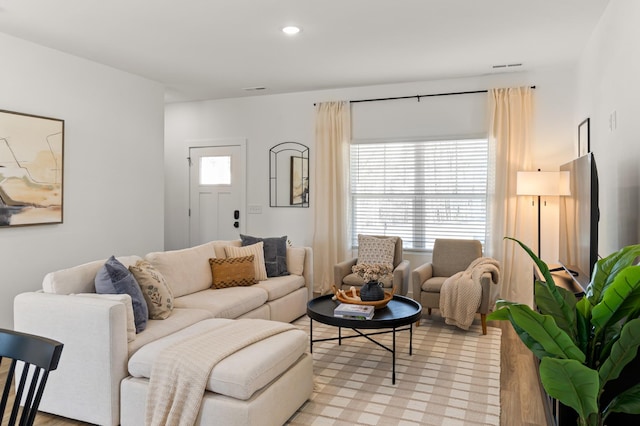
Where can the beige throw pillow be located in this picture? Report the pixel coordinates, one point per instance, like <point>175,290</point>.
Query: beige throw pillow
<point>295,260</point>
<point>232,272</point>
<point>258,257</point>
<point>155,289</point>
<point>376,249</point>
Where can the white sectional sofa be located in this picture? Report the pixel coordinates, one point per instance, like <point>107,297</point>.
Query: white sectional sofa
<point>103,374</point>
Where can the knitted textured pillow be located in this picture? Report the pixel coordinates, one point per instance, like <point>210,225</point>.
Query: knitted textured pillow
<point>376,249</point>
<point>232,271</point>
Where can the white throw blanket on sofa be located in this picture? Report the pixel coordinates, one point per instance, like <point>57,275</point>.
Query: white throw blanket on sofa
<point>461,294</point>
<point>180,373</point>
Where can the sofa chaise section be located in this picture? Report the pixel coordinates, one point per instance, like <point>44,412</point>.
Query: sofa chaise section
<point>87,385</point>
<point>239,385</point>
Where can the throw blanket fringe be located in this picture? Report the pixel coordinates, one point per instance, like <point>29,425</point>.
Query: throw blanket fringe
<point>180,373</point>
<point>461,294</point>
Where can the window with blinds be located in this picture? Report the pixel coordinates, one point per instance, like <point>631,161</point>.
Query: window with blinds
<point>419,190</point>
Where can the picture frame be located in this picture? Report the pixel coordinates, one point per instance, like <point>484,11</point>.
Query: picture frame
<point>285,173</point>
<point>299,181</point>
<point>31,169</point>
<point>584,138</point>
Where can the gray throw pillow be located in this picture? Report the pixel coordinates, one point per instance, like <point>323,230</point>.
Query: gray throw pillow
<point>115,278</point>
<point>275,253</point>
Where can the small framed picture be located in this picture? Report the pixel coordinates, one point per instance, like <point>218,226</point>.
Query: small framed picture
<point>299,181</point>
<point>584,138</point>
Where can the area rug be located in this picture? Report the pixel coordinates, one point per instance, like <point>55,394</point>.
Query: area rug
<point>452,378</point>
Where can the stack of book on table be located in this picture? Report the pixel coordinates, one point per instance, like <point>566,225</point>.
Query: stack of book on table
<point>353,311</point>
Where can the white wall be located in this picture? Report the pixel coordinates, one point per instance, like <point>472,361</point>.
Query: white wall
<point>263,122</point>
<point>267,120</point>
<point>609,85</point>
<point>113,164</point>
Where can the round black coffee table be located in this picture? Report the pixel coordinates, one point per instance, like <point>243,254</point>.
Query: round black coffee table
<point>399,315</point>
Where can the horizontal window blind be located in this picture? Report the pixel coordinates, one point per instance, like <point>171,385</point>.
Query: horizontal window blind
<point>419,190</point>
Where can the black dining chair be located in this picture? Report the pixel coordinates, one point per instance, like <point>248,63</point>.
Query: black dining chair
<point>39,356</point>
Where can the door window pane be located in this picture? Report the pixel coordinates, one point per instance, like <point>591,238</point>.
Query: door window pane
<point>215,170</point>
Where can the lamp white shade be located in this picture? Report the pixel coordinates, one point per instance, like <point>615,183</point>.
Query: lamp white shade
<point>543,183</point>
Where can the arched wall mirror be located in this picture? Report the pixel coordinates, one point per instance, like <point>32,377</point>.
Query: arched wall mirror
<point>289,175</point>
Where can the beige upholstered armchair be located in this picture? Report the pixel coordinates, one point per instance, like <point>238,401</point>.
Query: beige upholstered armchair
<point>375,249</point>
<point>449,257</point>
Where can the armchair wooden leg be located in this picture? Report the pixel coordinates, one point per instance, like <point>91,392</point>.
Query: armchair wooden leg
<point>483,319</point>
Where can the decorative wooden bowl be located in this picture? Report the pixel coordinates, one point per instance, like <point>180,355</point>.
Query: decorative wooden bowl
<point>378,304</point>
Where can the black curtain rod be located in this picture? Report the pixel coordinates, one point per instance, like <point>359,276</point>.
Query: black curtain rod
<point>417,96</point>
<point>420,96</point>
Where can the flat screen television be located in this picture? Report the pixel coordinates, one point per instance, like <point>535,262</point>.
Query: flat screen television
<point>579,215</point>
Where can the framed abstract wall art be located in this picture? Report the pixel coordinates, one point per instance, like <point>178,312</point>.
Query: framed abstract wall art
<point>31,169</point>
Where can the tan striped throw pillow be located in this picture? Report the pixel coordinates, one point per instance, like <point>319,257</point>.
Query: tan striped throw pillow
<point>232,272</point>
<point>257,251</point>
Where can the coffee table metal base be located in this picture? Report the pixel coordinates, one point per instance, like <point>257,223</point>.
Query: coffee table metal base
<point>367,336</point>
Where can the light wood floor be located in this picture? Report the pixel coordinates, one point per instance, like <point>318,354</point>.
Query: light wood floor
<point>520,396</point>
<point>521,401</point>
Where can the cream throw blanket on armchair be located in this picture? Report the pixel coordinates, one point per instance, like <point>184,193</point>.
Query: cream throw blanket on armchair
<point>461,293</point>
<point>180,373</point>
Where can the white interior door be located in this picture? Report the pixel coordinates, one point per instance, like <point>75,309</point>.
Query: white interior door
<point>216,193</point>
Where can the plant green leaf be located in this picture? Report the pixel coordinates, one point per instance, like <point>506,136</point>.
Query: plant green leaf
<point>593,420</point>
<point>604,345</point>
<point>622,352</point>
<point>623,286</point>
<point>534,346</point>
<point>544,269</point>
<point>584,307</point>
<point>571,383</point>
<point>501,303</point>
<point>548,305</point>
<point>501,314</point>
<point>567,312</point>
<point>583,331</point>
<point>606,270</point>
<point>629,307</point>
<point>544,330</point>
<point>627,402</point>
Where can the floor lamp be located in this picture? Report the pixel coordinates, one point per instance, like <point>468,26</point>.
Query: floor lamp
<point>542,184</point>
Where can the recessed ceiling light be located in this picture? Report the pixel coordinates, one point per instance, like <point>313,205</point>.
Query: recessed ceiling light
<point>291,30</point>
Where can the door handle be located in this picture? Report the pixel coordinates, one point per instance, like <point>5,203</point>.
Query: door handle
<point>236,224</point>
<point>236,214</point>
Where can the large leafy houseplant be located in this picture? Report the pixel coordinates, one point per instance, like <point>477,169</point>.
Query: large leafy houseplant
<point>584,345</point>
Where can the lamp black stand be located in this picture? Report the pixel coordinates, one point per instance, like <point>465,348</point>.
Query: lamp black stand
<point>539,228</point>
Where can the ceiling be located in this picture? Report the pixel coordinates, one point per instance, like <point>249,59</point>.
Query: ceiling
<point>211,49</point>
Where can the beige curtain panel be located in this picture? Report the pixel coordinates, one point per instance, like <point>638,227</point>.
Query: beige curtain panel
<point>331,190</point>
<point>510,127</point>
